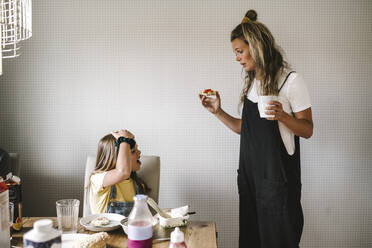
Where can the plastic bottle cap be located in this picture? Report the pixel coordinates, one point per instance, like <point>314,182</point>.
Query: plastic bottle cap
<point>43,225</point>
<point>177,236</point>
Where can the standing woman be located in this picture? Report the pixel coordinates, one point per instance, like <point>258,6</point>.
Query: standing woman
<point>269,177</point>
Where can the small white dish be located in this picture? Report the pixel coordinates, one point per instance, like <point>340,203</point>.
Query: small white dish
<point>113,218</point>
<point>69,239</point>
<point>172,222</point>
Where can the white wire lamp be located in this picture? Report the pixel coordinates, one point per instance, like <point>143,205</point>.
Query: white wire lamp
<point>15,27</point>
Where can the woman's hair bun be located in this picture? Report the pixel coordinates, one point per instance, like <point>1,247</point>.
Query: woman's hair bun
<point>251,15</point>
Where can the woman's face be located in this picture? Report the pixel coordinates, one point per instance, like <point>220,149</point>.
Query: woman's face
<point>135,156</point>
<point>243,56</point>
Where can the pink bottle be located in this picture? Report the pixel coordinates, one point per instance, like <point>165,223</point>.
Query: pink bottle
<point>140,224</point>
<point>177,239</point>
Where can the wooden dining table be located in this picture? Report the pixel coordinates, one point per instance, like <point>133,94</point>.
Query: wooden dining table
<point>198,234</point>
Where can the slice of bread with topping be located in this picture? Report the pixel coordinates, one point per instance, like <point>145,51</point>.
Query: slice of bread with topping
<point>97,240</point>
<point>207,92</point>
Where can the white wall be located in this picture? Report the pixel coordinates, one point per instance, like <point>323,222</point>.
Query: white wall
<point>96,66</point>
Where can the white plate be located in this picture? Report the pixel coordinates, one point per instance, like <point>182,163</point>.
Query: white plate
<point>69,239</point>
<point>113,218</point>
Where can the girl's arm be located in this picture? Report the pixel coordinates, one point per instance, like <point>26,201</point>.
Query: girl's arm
<point>123,167</point>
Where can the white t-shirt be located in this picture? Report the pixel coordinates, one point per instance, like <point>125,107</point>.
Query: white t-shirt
<point>298,99</point>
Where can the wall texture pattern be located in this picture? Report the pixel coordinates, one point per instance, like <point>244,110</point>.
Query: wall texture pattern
<point>96,66</point>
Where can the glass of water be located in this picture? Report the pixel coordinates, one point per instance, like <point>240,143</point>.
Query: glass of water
<point>67,215</point>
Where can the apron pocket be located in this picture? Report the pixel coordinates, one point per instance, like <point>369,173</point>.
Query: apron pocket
<point>272,197</point>
<point>242,183</point>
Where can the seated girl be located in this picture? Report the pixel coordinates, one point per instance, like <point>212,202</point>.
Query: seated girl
<point>114,182</point>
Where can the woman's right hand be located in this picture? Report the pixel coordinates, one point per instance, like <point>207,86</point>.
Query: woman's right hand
<point>213,105</point>
<point>123,133</point>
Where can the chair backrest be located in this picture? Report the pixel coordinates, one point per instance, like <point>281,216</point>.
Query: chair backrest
<point>149,172</point>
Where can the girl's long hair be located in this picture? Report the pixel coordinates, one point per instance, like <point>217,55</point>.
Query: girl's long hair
<point>107,154</point>
<point>265,53</point>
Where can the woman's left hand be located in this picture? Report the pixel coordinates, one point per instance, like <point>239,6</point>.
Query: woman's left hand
<point>276,109</point>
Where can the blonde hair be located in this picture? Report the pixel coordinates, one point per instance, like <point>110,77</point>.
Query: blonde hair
<point>107,154</point>
<point>265,53</point>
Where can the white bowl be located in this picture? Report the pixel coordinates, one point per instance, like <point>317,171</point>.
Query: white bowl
<point>124,224</point>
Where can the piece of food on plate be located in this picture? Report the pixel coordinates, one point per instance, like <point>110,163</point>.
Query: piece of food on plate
<point>207,92</point>
<point>97,240</point>
<point>173,222</point>
<point>100,221</point>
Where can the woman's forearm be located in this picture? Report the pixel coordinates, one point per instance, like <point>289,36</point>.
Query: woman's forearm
<point>233,123</point>
<point>300,127</point>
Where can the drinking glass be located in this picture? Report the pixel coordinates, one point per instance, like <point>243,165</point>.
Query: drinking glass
<point>11,217</point>
<point>11,213</point>
<point>67,215</point>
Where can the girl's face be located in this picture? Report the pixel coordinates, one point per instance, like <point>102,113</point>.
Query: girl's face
<point>135,156</point>
<point>243,56</point>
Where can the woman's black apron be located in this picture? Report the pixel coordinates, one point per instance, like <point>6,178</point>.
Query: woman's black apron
<point>269,183</point>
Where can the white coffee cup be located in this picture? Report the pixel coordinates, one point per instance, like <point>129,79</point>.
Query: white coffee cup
<point>263,103</point>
